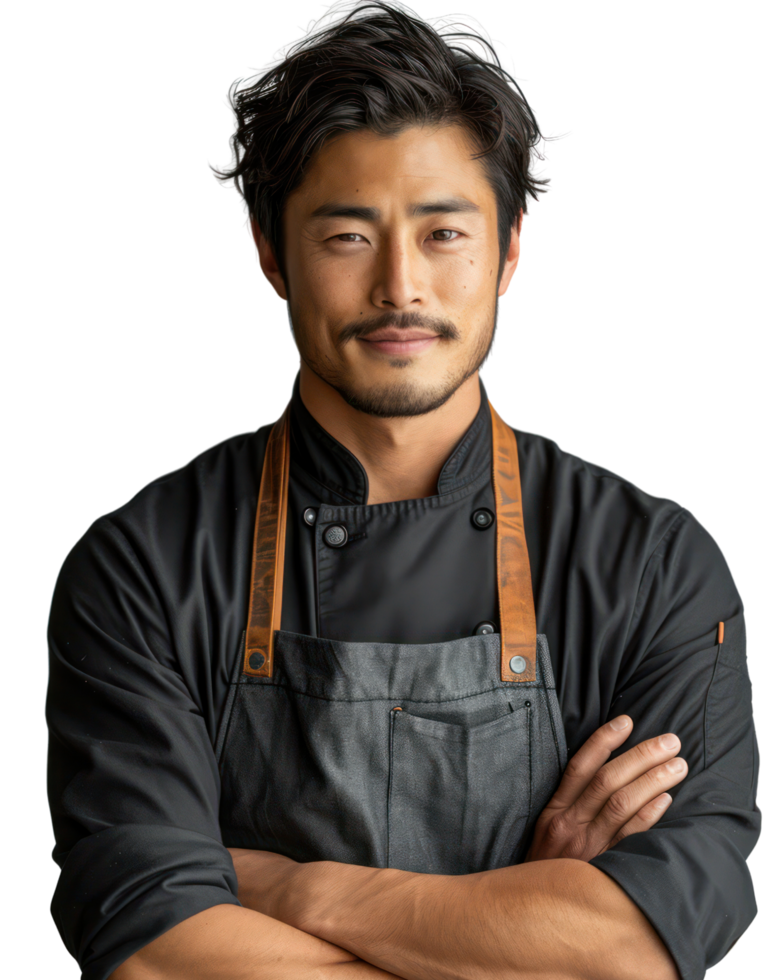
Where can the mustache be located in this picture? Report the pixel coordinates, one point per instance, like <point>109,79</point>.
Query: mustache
<point>406,321</point>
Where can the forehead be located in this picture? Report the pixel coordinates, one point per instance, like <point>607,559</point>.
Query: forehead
<point>420,161</point>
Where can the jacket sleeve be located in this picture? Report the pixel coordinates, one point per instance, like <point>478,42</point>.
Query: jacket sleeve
<point>133,781</point>
<point>688,873</point>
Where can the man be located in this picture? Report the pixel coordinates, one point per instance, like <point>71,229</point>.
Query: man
<point>388,688</point>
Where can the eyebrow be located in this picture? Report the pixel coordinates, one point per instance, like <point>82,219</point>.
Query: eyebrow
<point>452,205</point>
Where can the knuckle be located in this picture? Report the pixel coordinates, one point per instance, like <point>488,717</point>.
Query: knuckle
<point>574,768</point>
<point>618,805</point>
<point>570,774</point>
<point>559,829</point>
<point>648,814</point>
<point>650,750</point>
<point>574,848</point>
<point>601,782</point>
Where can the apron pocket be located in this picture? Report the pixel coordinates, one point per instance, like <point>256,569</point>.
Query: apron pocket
<point>459,797</point>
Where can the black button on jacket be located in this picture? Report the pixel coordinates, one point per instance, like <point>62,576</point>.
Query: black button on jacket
<point>146,628</point>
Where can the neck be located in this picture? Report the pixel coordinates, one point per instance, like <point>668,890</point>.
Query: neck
<point>402,457</point>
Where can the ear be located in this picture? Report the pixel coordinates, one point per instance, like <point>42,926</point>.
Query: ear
<point>513,256</point>
<point>267,261</point>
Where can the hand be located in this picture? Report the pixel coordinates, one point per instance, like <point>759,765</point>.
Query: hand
<point>598,803</point>
<point>265,879</point>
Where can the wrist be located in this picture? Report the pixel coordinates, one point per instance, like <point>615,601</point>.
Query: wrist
<point>311,893</point>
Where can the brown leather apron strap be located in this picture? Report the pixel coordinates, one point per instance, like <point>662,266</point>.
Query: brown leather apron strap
<point>515,591</point>
<point>269,549</point>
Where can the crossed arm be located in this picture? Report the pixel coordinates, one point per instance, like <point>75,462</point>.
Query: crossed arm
<point>559,919</point>
<point>553,917</point>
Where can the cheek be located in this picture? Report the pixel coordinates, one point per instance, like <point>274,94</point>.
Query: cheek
<point>466,285</point>
<point>468,269</point>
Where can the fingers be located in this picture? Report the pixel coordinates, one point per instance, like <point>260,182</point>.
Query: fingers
<point>644,819</point>
<point>620,788</point>
<point>625,785</point>
<point>599,803</point>
<point>632,797</point>
<point>616,802</point>
<point>588,760</point>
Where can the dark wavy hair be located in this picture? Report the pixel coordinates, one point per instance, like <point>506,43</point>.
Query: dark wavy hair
<point>379,68</point>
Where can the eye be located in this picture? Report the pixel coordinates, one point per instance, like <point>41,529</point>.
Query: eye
<point>449,231</point>
<point>349,237</point>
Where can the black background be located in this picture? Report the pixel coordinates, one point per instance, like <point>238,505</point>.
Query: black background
<point>624,336</point>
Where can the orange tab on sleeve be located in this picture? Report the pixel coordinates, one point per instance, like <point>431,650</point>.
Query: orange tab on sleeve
<point>721,633</point>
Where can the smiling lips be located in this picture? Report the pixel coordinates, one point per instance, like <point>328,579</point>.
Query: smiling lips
<point>393,340</point>
<point>395,333</point>
<point>410,345</point>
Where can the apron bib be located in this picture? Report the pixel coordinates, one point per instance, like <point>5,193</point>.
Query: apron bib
<point>434,758</point>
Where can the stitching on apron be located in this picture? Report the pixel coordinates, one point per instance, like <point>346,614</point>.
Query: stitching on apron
<point>253,682</point>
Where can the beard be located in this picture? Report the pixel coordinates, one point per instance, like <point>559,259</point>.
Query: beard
<point>404,398</point>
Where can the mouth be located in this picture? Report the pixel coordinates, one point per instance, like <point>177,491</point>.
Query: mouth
<point>410,346</point>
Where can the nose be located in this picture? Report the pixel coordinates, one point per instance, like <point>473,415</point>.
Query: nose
<point>396,286</point>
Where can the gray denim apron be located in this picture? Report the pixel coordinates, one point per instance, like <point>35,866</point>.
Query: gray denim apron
<point>430,757</point>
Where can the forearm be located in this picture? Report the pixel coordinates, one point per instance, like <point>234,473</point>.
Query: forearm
<point>545,920</point>
<point>227,942</point>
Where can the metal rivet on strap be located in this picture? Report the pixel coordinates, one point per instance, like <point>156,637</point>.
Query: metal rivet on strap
<point>256,660</point>
<point>335,536</point>
<point>484,628</point>
<point>518,665</point>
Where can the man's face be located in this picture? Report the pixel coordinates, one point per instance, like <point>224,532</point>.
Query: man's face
<point>392,267</point>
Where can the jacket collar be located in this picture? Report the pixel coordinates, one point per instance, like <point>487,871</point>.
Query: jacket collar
<point>321,458</point>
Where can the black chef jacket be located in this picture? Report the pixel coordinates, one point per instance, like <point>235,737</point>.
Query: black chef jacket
<point>146,628</point>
